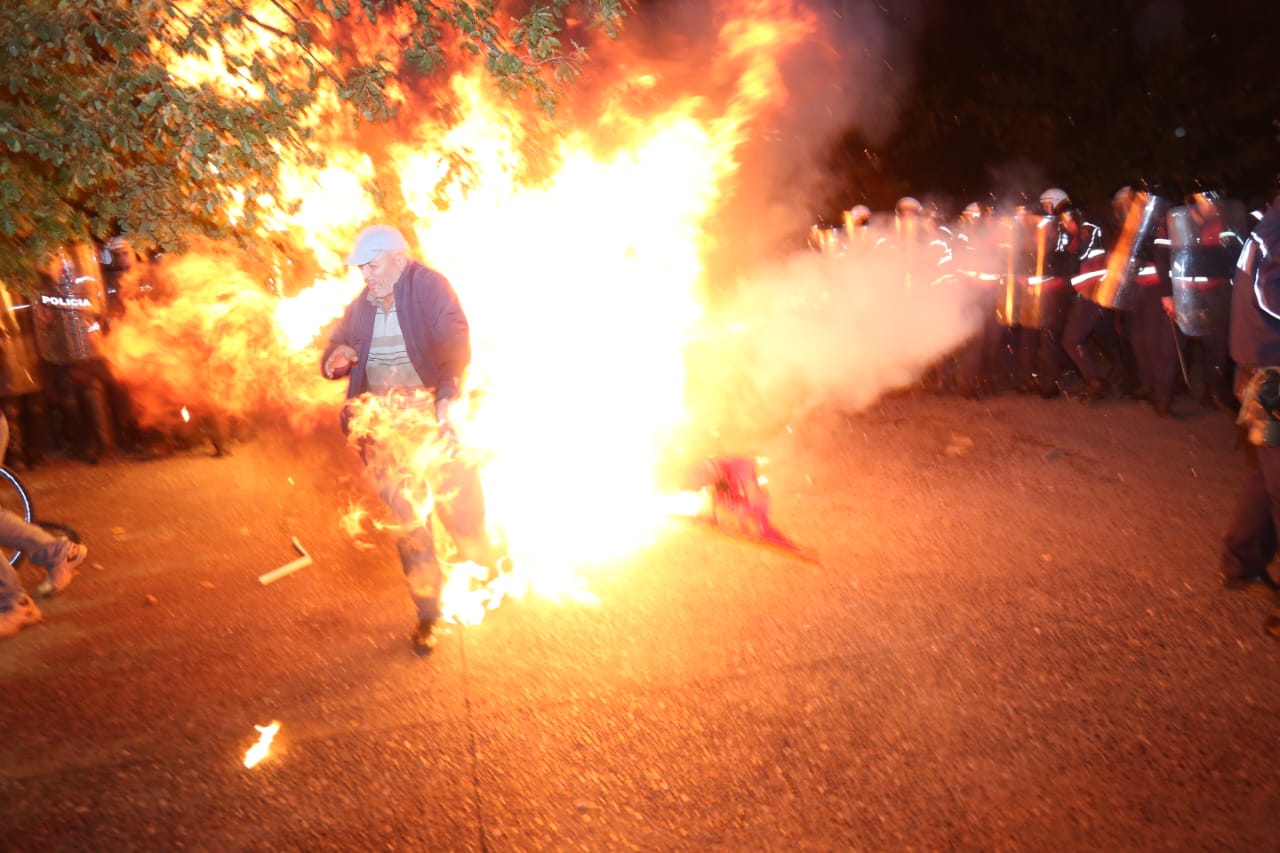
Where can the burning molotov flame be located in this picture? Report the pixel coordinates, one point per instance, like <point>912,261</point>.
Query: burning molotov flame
<point>259,750</point>
<point>216,332</point>
<point>583,289</point>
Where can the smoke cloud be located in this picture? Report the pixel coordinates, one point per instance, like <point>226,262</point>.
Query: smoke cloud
<point>792,330</point>
<point>817,330</point>
<point>836,66</point>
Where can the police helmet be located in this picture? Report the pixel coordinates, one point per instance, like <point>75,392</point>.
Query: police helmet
<point>1122,199</point>
<point>1203,196</point>
<point>1052,198</point>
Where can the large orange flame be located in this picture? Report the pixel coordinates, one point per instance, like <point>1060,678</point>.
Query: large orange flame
<point>582,291</point>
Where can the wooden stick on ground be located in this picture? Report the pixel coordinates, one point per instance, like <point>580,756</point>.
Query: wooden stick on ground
<point>288,568</point>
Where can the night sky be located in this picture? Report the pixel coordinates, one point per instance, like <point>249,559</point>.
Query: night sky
<point>1008,97</point>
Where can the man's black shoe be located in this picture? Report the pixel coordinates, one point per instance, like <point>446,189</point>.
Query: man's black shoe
<point>1094,390</point>
<point>1219,402</point>
<point>425,636</point>
<point>1260,585</point>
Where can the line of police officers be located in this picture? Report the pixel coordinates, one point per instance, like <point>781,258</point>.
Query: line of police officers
<point>1059,292</point>
<point>1124,306</point>
<point>55,384</point>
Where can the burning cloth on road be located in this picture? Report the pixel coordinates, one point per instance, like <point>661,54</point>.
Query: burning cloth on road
<point>739,503</point>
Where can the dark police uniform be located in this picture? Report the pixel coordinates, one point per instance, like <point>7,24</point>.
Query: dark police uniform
<point>1154,341</point>
<point>1250,543</point>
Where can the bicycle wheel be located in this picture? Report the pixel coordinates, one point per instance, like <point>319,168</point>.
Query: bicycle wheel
<point>13,498</point>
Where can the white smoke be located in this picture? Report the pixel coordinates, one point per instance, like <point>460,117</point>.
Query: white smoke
<point>824,330</point>
<point>853,73</point>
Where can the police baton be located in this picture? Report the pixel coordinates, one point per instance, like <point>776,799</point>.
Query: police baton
<point>1177,347</point>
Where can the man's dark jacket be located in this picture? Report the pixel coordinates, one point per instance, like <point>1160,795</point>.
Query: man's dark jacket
<point>435,330</point>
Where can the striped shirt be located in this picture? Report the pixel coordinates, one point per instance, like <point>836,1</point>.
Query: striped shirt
<point>388,365</point>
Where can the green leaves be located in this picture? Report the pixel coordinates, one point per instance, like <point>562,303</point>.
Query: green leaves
<point>107,127</point>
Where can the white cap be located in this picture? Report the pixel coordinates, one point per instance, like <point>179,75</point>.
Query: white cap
<point>371,241</point>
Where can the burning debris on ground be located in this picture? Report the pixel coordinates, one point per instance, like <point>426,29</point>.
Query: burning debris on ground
<point>737,502</point>
<point>262,747</point>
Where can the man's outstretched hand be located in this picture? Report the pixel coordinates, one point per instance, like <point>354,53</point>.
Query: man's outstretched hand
<point>339,360</point>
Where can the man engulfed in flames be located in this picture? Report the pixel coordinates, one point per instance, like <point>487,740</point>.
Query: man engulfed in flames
<point>613,258</point>
<point>403,345</point>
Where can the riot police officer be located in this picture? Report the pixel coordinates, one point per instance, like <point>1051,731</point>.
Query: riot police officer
<point>978,359</point>
<point>70,310</point>
<point>1044,297</point>
<point>1205,243</point>
<point>920,254</point>
<point>857,228</point>
<point>1250,542</point>
<point>1139,266</point>
<point>1086,319</point>
<point>21,382</point>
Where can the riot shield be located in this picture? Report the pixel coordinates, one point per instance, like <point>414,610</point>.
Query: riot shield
<point>827,241</point>
<point>19,359</point>
<point>1118,287</point>
<point>1203,252</point>
<point>1016,243</point>
<point>1044,295</point>
<point>1044,302</point>
<point>69,307</point>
